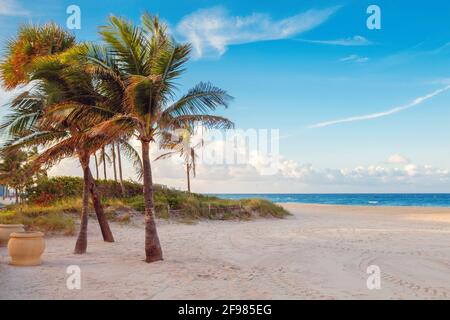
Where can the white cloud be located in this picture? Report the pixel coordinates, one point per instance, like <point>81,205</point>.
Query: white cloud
<point>354,58</point>
<point>12,8</point>
<point>417,51</point>
<point>413,103</point>
<point>7,96</point>
<point>213,30</point>
<point>250,171</point>
<point>397,175</point>
<point>348,42</point>
<point>397,159</point>
<point>293,177</point>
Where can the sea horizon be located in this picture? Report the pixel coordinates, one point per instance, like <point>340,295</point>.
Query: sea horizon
<point>356,199</point>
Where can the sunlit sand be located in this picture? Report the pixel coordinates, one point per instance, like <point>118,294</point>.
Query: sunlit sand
<point>321,252</point>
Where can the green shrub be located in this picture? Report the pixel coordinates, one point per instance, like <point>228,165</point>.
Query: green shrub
<point>47,223</point>
<point>57,187</point>
<point>50,189</point>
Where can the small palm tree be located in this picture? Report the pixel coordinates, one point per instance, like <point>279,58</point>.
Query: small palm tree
<point>13,170</point>
<point>142,65</point>
<point>182,146</point>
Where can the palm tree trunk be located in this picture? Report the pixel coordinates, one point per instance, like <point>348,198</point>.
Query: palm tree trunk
<point>188,178</point>
<point>114,161</point>
<point>119,158</point>
<point>21,197</point>
<point>104,162</point>
<point>98,207</point>
<point>81,244</point>
<point>96,164</point>
<point>153,250</point>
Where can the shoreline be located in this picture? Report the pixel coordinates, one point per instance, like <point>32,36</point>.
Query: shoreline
<point>350,206</point>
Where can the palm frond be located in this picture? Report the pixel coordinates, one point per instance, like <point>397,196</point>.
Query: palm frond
<point>128,43</point>
<point>31,41</point>
<point>166,155</point>
<point>169,65</point>
<point>201,99</point>
<point>113,129</point>
<point>206,121</point>
<point>76,113</point>
<point>54,154</point>
<point>132,155</point>
<point>41,138</point>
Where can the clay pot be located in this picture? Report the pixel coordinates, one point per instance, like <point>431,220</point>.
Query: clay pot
<point>26,248</point>
<point>6,230</point>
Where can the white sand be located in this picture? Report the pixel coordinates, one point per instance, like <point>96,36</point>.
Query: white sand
<point>322,252</point>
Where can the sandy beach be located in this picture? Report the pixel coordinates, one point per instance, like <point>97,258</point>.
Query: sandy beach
<point>321,252</point>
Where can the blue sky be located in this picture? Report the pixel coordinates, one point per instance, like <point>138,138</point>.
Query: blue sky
<point>293,64</point>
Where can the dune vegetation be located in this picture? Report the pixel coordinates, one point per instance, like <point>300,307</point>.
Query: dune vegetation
<point>55,205</point>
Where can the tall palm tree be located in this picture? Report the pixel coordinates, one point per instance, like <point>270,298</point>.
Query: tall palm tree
<point>60,83</point>
<point>103,158</point>
<point>113,154</point>
<point>142,63</point>
<point>123,146</point>
<point>119,163</point>
<point>31,43</point>
<point>96,166</point>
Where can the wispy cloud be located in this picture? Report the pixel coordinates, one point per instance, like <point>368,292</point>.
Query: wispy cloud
<point>418,51</point>
<point>413,103</point>
<point>354,58</point>
<point>348,42</point>
<point>213,30</point>
<point>12,8</point>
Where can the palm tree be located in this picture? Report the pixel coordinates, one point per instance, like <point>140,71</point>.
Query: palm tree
<point>119,163</point>
<point>60,84</point>
<point>182,145</point>
<point>113,154</point>
<point>32,43</point>
<point>142,64</point>
<point>13,170</point>
<point>103,158</point>
<point>96,166</point>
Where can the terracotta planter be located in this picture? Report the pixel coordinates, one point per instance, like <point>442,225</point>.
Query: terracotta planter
<point>26,248</point>
<point>6,230</point>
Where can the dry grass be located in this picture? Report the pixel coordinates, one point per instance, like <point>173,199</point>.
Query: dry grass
<point>60,216</point>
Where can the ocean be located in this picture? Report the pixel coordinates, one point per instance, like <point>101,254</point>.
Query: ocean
<point>356,199</point>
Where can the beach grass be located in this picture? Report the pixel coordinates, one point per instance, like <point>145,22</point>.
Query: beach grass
<point>60,216</point>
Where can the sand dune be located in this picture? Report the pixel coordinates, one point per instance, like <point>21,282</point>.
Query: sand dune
<point>321,252</point>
